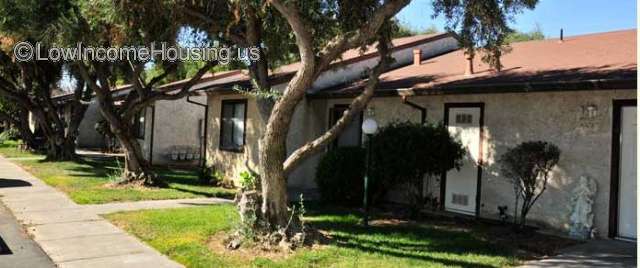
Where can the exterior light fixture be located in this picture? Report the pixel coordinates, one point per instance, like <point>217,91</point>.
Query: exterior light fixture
<point>369,127</point>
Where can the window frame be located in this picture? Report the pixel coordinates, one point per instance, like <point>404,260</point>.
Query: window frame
<point>137,133</point>
<point>234,103</point>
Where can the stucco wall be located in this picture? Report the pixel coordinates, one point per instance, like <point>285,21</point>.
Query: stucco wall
<point>510,119</point>
<point>176,124</point>
<point>88,137</point>
<point>231,163</point>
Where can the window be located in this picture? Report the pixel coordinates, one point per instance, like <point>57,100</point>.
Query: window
<point>352,134</point>
<point>138,124</point>
<point>233,125</point>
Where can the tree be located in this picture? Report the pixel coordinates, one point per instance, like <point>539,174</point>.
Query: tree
<point>17,117</point>
<point>130,23</point>
<point>535,34</point>
<point>322,31</point>
<point>482,25</point>
<point>405,30</point>
<point>528,166</point>
<point>29,84</point>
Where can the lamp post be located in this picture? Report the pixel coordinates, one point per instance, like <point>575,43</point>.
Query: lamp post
<point>369,127</point>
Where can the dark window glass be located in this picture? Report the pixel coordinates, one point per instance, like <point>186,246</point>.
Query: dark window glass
<point>138,125</point>
<point>233,125</point>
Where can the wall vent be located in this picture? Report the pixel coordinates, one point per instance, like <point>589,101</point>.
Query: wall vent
<point>460,199</point>
<point>464,118</point>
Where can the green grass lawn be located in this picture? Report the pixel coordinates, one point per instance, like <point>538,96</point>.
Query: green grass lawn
<point>185,235</point>
<point>9,149</point>
<point>86,180</point>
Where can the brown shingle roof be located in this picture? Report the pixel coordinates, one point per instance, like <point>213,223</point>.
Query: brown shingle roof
<point>285,72</point>
<point>601,56</point>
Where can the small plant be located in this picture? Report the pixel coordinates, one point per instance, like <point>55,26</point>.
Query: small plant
<point>248,180</point>
<point>528,166</point>
<point>115,175</point>
<point>211,176</point>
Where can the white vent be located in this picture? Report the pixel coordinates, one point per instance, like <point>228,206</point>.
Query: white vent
<point>464,118</point>
<point>460,199</point>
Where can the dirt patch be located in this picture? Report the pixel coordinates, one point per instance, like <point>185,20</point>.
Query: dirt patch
<point>536,244</point>
<point>316,240</point>
<point>529,244</point>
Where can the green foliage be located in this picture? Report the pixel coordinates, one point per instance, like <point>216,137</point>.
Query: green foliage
<point>404,152</point>
<point>9,134</point>
<point>211,176</point>
<point>482,25</point>
<point>339,176</point>
<point>248,180</point>
<point>528,166</point>
<point>404,30</point>
<point>535,34</point>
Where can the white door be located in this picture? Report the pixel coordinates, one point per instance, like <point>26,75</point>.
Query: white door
<point>628,178</point>
<point>461,185</point>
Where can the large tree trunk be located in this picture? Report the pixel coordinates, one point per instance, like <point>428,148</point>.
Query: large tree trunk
<point>137,169</point>
<point>26,134</point>
<point>273,181</point>
<point>59,148</point>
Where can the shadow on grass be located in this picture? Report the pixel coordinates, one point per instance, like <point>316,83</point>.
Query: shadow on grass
<point>403,240</point>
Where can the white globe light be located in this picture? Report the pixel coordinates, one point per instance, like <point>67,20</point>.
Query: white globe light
<point>369,126</point>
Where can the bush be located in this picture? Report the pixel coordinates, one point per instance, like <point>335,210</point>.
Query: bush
<point>404,152</point>
<point>9,134</point>
<point>211,176</point>
<point>528,166</point>
<point>340,175</point>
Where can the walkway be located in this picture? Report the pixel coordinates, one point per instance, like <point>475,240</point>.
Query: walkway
<point>595,253</point>
<point>75,235</point>
<point>17,250</point>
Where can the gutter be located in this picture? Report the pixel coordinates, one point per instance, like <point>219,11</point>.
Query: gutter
<point>203,144</point>
<point>549,86</point>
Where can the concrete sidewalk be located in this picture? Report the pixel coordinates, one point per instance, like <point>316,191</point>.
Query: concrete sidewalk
<point>70,234</point>
<point>17,250</point>
<point>594,253</point>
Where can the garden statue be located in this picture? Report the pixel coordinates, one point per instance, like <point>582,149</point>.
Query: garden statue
<point>582,209</point>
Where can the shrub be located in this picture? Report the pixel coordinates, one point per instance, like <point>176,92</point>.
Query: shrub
<point>340,174</point>
<point>404,152</point>
<point>9,134</point>
<point>211,176</point>
<point>528,166</point>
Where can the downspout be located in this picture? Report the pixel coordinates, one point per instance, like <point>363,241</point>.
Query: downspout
<point>153,130</point>
<point>423,111</point>
<point>203,144</point>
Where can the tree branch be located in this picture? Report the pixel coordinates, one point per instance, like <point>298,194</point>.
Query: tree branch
<point>354,39</point>
<point>356,106</point>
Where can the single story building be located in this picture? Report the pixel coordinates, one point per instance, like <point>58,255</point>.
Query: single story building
<point>234,125</point>
<point>578,93</point>
<point>170,132</point>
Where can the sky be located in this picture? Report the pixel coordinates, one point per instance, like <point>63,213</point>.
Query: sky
<point>574,16</point>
